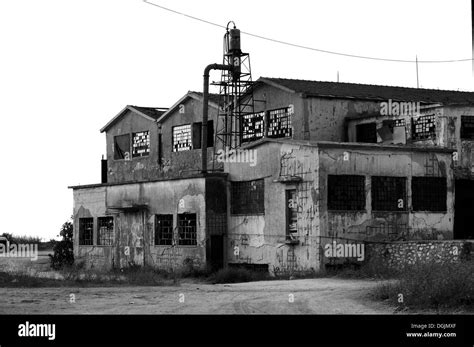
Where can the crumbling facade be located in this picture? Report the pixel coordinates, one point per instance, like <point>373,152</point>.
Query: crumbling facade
<point>319,161</point>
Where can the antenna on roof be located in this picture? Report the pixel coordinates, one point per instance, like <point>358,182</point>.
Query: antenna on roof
<point>417,84</point>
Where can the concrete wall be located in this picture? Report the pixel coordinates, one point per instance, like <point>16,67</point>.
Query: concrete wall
<point>135,228</point>
<point>139,168</point>
<point>155,166</point>
<point>315,118</point>
<point>261,239</point>
<point>91,203</point>
<point>384,161</point>
<point>178,163</point>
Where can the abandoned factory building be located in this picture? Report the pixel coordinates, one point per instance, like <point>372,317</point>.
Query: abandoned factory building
<point>318,161</point>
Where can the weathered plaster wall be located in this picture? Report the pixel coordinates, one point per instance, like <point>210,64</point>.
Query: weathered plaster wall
<point>375,161</point>
<point>91,203</point>
<point>135,229</point>
<point>170,164</point>
<point>262,239</point>
<point>139,168</point>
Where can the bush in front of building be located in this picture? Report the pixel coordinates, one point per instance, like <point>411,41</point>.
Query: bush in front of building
<point>238,274</point>
<point>63,250</point>
<point>432,286</point>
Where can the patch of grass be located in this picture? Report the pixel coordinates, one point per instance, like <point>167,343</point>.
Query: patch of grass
<point>368,270</point>
<point>432,286</point>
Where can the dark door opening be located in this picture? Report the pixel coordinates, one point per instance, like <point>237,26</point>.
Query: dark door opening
<point>217,252</point>
<point>464,209</point>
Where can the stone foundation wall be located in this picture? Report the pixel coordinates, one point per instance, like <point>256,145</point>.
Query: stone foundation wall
<point>400,253</point>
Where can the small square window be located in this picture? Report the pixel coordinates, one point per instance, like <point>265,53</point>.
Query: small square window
<point>389,193</point>
<point>429,193</point>
<point>346,192</point>
<point>366,133</point>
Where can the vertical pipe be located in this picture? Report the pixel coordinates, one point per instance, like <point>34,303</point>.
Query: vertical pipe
<point>205,107</point>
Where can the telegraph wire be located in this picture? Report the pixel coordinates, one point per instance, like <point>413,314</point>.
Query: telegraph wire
<point>307,47</point>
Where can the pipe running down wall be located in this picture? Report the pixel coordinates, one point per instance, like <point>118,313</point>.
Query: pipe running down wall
<point>205,107</point>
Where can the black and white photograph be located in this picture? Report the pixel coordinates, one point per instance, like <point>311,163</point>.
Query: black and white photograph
<point>305,164</point>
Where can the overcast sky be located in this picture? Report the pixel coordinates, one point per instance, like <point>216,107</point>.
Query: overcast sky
<point>68,67</point>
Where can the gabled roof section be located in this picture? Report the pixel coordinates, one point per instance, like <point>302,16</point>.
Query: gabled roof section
<point>369,91</point>
<point>213,101</point>
<point>151,113</point>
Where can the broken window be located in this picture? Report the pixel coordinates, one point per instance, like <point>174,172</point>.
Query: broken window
<point>279,122</point>
<point>105,231</point>
<point>366,132</point>
<point>141,144</point>
<point>252,126</point>
<point>247,197</point>
<point>86,231</point>
<point>291,213</point>
<point>197,134</point>
<point>388,193</point>
<point>424,127</point>
<point>182,138</point>
<point>393,131</point>
<point>467,127</point>
<point>346,192</point>
<point>429,193</point>
<point>122,146</point>
<point>164,229</point>
<point>187,231</point>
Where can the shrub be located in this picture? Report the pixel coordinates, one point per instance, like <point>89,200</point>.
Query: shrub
<point>63,250</point>
<point>432,286</point>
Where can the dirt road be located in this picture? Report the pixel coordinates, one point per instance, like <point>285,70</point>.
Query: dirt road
<point>307,296</point>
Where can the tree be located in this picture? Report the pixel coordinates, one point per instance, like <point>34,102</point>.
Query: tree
<point>63,250</point>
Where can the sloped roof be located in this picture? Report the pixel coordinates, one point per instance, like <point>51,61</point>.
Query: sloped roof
<point>213,101</point>
<point>151,113</point>
<point>370,91</point>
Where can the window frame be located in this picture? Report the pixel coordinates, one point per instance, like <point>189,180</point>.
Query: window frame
<point>373,192</point>
<point>129,147</point>
<point>429,193</point>
<point>189,138</point>
<point>463,131</point>
<point>112,239</point>
<point>159,231</point>
<point>82,221</point>
<point>241,200</point>
<point>361,193</point>
<point>179,226</point>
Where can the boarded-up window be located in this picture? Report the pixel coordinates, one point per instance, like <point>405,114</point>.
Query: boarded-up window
<point>429,193</point>
<point>424,127</point>
<point>366,133</point>
<point>86,231</point>
<point>279,122</point>
<point>346,192</point>
<point>247,197</point>
<point>197,134</point>
<point>141,144</point>
<point>122,146</point>
<point>182,138</point>
<point>187,230</point>
<point>252,126</point>
<point>389,193</point>
<point>164,229</point>
<point>467,127</point>
<point>105,231</point>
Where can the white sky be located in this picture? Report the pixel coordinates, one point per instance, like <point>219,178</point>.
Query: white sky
<point>67,67</point>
